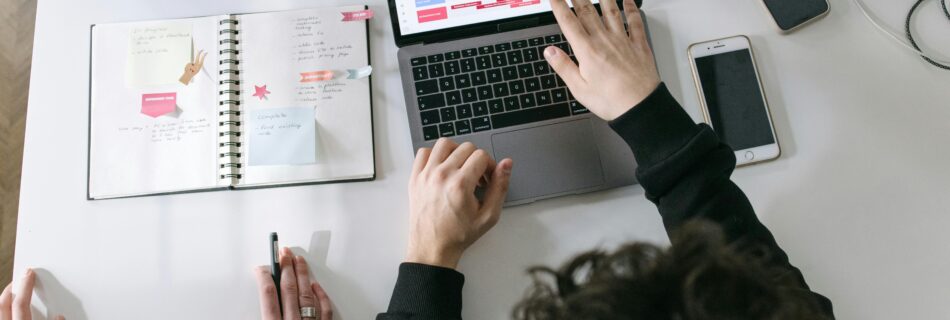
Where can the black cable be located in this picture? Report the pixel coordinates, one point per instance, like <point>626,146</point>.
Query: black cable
<point>910,36</point>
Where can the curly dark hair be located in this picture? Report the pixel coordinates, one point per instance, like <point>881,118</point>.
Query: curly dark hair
<point>699,276</point>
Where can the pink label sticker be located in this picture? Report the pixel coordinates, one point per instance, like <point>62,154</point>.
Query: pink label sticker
<point>427,15</point>
<point>316,76</point>
<point>158,104</point>
<point>466,5</point>
<point>357,15</point>
<point>525,3</point>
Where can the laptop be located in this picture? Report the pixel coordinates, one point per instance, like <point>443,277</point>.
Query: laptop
<point>475,71</point>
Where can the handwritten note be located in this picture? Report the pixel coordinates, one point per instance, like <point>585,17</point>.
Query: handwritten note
<point>170,131</point>
<point>285,136</point>
<point>157,54</point>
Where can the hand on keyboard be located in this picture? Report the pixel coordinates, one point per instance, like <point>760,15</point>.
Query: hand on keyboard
<point>615,69</point>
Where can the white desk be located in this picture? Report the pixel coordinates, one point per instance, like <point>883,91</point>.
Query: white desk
<point>859,199</point>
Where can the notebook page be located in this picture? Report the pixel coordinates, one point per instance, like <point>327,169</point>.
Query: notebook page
<point>149,132</point>
<point>287,59</point>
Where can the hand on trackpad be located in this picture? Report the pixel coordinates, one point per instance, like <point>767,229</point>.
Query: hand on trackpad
<point>552,159</point>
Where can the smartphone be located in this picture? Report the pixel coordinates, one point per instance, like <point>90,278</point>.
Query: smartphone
<point>790,15</point>
<point>732,98</point>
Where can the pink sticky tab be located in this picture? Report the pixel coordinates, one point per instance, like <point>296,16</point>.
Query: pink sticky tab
<point>427,15</point>
<point>158,104</point>
<point>357,15</point>
<point>316,76</point>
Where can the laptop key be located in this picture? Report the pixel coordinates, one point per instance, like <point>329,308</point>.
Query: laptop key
<point>427,87</point>
<point>483,62</point>
<point>577,108</point>
<point>417,61</point>
<point>453,98</point>
<point>542,98</point>
<point>463,111</point>
<point>485,50</point>
<point>526,100</point>
<point>500,89</point>
<point>523,116</point>
<point>468,65</point>
<point>548,82</point>
<point>478,78</point>
<point>452,55</point>
<point>436,58</point>
<point>469,95</point>
<point>520,44</point>
<point>496,106</point>
<point>452,68</point>
<point>498,60</point>
<point>430,132</point>
<point>469,53</point>
<point>559,95</point>
<point>554,38</point>
<point>526,70</point>
<point>541,68</point>
<point>481,124</point>
<point>502,47</point>
<point>516,87</point>
<point>420,73</point>
<point>530,54</point>
<point>447,113</point>
<point>430,117</point>
<point>436,70</point>
<point>462,127</point>
<point>431,101</point>
<point>480,108</point>
<point>485,93</point>
<point>565,47</point>
<point>462,81</point>
<point>514,57</point>
<point>536,41</point>
<point>446,84</point>
<point>511,103</point>
<point>532,84</point>
<point>447,129</point>
<point>509,73</point>
<point>494,75</point>
<point>560,82</point>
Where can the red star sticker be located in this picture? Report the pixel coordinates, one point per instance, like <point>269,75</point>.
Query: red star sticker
<point>261,92</point>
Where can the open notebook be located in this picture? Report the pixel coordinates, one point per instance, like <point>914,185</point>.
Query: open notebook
<point>231,101</point>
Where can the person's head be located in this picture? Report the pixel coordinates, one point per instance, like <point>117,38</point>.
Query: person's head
<point>698,277</point>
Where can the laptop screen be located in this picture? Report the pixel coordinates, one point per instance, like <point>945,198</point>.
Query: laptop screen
<point>418,16</point>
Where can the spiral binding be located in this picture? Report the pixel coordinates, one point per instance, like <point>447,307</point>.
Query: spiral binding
<point>229,101</point>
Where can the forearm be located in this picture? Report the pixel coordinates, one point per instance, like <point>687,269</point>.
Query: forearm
<point>425,292</point>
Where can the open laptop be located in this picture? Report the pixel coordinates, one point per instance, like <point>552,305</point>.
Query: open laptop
<point>475,71</point>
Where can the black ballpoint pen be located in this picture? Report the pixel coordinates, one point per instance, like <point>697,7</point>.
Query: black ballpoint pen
<point>275,267</point>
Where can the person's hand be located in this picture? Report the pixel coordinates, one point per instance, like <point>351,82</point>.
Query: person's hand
<point>297,291</point>
<point>615,69</point>
<point>445,216</point>
<point>17,306</point>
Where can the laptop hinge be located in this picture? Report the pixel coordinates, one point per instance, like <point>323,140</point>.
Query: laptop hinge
<point>519,24</point>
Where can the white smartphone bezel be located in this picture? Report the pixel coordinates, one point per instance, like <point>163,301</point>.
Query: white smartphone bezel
<point>719,46</point>
<point>800,25</point>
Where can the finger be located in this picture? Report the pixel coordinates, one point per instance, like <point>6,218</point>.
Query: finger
<point>460,155</point>
<point>307,298</point>
<point>564,67</point>
<point>267,293</point>
<point>613,18</point>
<point>326,308</point>
<point>6,302</point>
<point>201,60</point>
<point>288,285</point>
<point>60,317</point>
<point>420,162</point>
<point>634,22</point>
<point>588,15</point>
<point>21,300</point>
<point>497,192</point>
<point>477,166</point>
<point>570,25</point>
<point>442,149</point>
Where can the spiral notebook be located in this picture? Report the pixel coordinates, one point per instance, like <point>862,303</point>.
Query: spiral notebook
<point>230,102</point>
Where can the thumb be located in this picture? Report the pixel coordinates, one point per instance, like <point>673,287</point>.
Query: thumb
<point>564,67</point>
<point>497,190</point>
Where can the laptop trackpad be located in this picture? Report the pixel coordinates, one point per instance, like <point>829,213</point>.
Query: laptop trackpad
<point>550,159</point>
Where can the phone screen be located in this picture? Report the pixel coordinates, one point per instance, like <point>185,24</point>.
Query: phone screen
<point>736,106</point>
<point>791,13</point>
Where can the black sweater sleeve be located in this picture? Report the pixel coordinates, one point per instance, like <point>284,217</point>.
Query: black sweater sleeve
<point>685,171</point>
<point>425,292</point>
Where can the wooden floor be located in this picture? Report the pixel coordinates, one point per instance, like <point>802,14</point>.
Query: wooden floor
<point>16,49</point>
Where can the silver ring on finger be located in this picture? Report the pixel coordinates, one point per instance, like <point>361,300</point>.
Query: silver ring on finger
<point>309,312</point>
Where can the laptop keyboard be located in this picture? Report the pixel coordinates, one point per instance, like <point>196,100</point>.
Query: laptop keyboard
<point>490,87</point>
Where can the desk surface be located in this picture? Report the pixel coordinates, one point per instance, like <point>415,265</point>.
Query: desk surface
<point>858,199</point>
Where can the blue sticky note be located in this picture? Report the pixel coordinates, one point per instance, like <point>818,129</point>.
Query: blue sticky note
<point>284,136</point>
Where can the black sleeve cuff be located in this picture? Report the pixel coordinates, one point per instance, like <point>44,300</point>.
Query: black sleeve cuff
<point>656,128</point>
<point>427,292</point>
